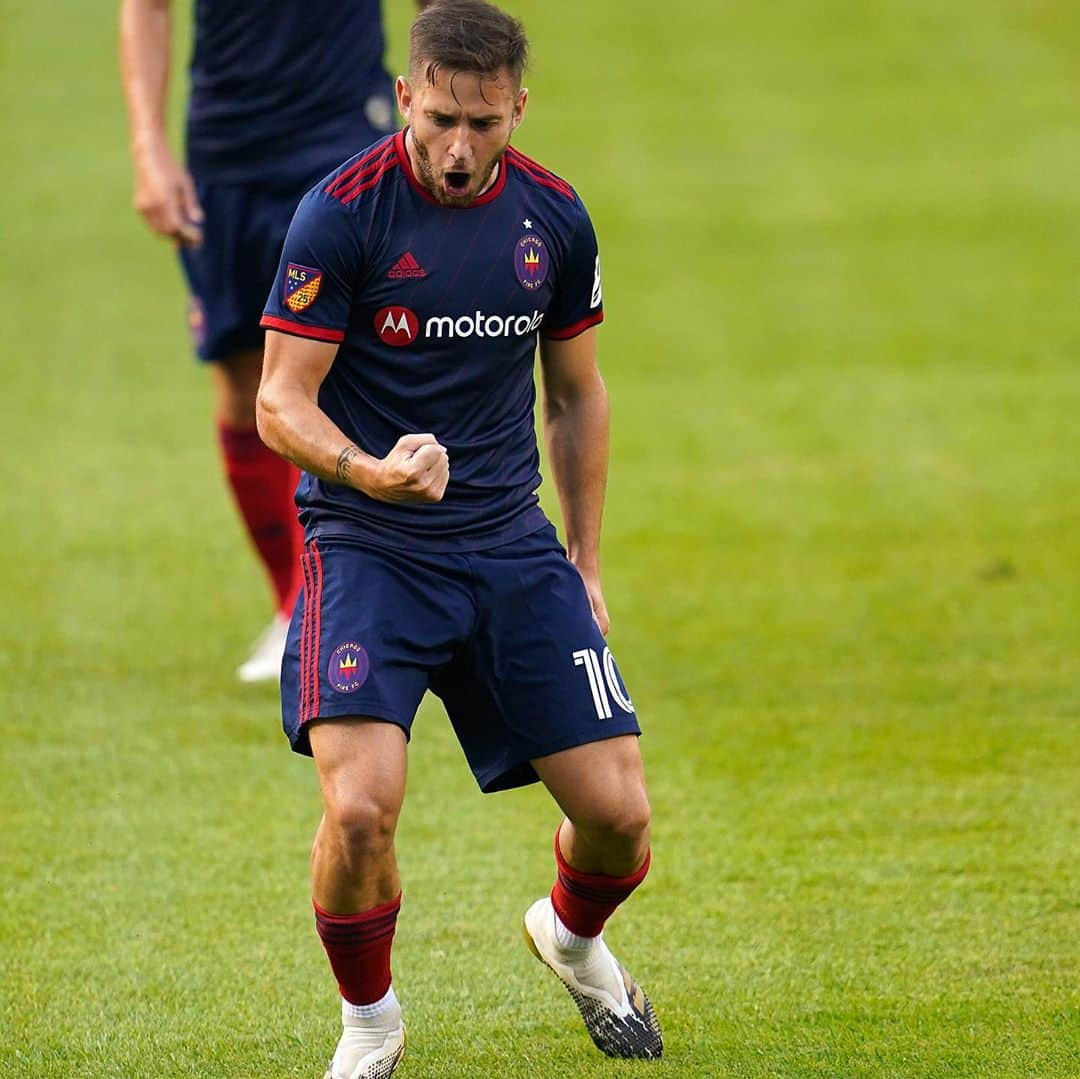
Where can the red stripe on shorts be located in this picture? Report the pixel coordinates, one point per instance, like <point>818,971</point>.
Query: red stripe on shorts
<point>305,633</point>
<point>314,646</point>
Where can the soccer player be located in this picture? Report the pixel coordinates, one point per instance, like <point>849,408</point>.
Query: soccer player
<point>412,287</point>
<point>280,94</point>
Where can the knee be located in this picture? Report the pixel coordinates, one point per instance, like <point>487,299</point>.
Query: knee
<point>631,824</point>
<point>620,826</point>
<point>360,825</point>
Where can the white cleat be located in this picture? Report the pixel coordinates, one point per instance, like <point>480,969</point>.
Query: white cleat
<point>264,663</point>
<point>618,1016</point>
<point>369,1048</point>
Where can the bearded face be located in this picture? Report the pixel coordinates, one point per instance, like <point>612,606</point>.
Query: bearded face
<point>459,127</point>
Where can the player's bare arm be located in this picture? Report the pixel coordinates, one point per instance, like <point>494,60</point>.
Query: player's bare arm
<point>164,191</point>
<point>292,424</point>
<point>575,410</point>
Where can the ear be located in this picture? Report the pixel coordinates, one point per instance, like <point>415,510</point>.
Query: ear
<point>403,91</point>
<point>520,102</point>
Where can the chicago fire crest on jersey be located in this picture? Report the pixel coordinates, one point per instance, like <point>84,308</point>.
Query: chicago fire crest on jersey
<point>302,285</point>
<point>531,261</point>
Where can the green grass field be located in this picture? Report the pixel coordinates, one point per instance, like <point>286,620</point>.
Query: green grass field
<point>842,558</point>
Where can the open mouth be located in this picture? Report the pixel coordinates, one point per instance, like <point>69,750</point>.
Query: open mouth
<point>456,183</point>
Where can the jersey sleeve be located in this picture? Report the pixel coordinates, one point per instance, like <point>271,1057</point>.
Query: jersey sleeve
<point>320,263</point>
<point>578,301</point>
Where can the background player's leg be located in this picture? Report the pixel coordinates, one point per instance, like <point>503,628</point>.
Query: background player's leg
<point>262,485</point>
<point>356,888</point>
<point>236,382</point>
<point>602,855</point>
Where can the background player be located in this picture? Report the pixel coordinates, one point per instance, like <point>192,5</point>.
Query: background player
<point>280,94</point>
<point>399,376</point>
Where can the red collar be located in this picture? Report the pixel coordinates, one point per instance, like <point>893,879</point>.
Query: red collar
<point>490,195</point>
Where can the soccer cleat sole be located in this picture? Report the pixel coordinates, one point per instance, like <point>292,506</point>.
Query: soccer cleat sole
<point>634,1037</point>
<point>382,1069</point>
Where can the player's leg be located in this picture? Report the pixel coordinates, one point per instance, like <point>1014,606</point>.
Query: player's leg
<point>356,888</point>
<point>369,625</point>
<point>262,485</point>
<point>601,856</point>
<point>361,766</point>
<point>537,694</point>
<point>600,786</point>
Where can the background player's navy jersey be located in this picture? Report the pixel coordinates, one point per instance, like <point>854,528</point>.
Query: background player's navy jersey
<point>280,89</point>
<point>437,311</point>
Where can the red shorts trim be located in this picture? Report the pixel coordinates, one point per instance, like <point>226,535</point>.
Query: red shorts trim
<point>310,633</point>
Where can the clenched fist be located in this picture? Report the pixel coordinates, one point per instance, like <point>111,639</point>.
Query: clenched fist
<point>417,469</point>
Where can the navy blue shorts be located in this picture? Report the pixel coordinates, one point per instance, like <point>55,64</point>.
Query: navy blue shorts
<point>505,637</point>
<point>231,274</point>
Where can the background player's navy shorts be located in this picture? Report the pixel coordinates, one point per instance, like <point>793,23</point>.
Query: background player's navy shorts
<point>506,638</point>
<point>231,274</point>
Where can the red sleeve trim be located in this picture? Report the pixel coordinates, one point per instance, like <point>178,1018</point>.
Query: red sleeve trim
<point>567,332</point>
<point>298,329</point>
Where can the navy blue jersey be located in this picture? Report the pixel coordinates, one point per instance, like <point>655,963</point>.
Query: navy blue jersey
<point>437,311</point>
<point>279,90</point>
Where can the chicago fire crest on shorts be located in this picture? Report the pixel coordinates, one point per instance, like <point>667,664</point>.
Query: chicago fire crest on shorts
<point>302,285</point>
<point>348,667</point>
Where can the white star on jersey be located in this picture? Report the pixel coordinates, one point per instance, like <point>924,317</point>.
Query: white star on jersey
<point>527,223</point>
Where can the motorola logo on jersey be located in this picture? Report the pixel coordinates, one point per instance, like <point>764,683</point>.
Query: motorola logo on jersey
<point>396,326</point>
<point>481,325</point>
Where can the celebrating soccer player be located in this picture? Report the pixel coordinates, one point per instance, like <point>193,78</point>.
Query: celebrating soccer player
<point>280,94</point>
<point>413,285</point>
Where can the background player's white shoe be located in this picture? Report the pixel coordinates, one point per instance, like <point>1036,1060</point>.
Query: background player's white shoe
<point>264,663</point>
<point>369,1048</point>
<point>618,1016</point>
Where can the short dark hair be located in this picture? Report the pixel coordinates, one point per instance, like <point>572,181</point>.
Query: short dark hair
<point>467,35</point>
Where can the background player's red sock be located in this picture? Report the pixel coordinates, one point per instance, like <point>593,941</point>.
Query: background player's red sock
<point>263,484</point>
<point>358,947</point>
<point>584,901</point>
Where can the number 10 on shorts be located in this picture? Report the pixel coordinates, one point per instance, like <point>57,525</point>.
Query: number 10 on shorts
<point>603,681</point>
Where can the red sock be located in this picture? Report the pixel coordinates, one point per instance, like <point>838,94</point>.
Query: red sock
<point>584,901</point>
<point>358,947</point>
<point>263,484</point>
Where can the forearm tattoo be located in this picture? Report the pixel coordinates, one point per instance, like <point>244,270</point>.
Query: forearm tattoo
<point>344,463</point>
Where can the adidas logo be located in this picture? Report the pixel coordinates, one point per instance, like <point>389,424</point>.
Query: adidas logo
<point>406,266</point>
